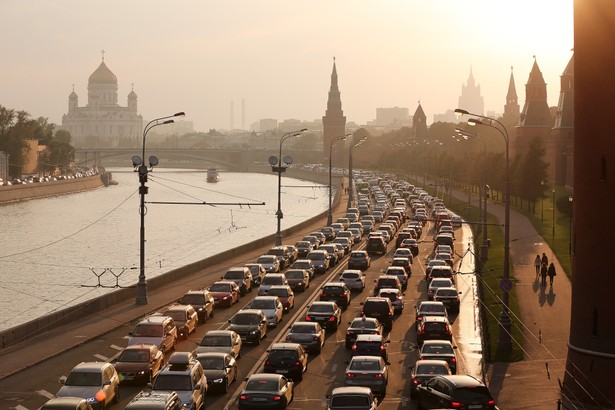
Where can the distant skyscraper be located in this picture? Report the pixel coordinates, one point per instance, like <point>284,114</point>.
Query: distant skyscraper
<point>102,122</point>
<point>511,109</point>
<point>471,99</point>
<point>334,121</point>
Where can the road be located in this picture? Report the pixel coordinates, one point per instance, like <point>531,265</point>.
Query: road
<point>30,388</point>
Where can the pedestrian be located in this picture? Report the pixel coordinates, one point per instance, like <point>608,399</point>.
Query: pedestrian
<point>543,274</point>
<point>551,272</point>
<point>545,260</point>
<point>537,263</point>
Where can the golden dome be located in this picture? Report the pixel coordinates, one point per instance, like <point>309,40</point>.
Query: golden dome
<point>102,75</point>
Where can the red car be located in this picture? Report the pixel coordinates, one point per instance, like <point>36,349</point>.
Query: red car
<point>285,294</point>
<point>225,292</point>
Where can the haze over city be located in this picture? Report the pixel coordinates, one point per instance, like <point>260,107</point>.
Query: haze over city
<point>197,57</point>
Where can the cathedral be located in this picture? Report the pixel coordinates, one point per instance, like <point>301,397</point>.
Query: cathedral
<point>102,122</point>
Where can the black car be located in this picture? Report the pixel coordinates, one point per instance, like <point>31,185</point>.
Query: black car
<point>370,345</point>
<point>359,260</point>
<point>362,326</point>
<point>288,359</point>
<point>320,259</point>
<point>336,292</point>
<point>327,314</point>
<point>434,328</point>
<point>381,309</point>
<point>250,325</point>
<point>303,248</point>
<point>439,350</point>
<point>265,390</point>
<point>202,301</point>
<point>449,297</point>
<point>376,245</point>
<point>450,391</point>
<point>387,281</point>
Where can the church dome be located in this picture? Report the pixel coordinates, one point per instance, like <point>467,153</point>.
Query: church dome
<point>102,75</point>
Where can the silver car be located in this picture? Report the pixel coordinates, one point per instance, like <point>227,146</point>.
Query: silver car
<point>271,279</point>
<point>395,296</point>
<point>353,278</point>
<point>271,307</point>
<point>220,341</point>
<point>368,371</point>
<point>88,379</point>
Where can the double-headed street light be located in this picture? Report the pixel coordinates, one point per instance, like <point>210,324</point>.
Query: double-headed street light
<point>504,335</point>
<point>333,141</point>
<point>350,178</point>
<point>139,164</point>
<point>276,166</point>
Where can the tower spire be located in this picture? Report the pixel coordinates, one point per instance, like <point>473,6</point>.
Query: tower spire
<point>103,54</point>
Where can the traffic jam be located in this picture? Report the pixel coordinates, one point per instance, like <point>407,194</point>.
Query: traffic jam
<point>376,310</point>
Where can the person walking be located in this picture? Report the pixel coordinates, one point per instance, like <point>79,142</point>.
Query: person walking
<point>551,272</point>
<point>543,274</point>
<point>545,260</point>
<point>537,263</point>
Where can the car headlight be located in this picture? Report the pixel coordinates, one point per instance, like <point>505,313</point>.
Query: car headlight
<point>218,380</point>
<point>91,399</point>
<point>200,309</point>
<point>141,372</point>
<point>253,332</point>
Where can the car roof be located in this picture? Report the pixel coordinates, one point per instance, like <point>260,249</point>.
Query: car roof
<point>90,366</point>
<point>221,332</point>
<point>284,346</point>
<point>369,337</point>
<point>212,354</point>
<point>462,380</point>
<point>154,319</point>
<point>322,302</point>
<point>435,319</point>
<point>266,376</point>
<point>352,390</point>
<point>337,284</point>
<point>351,271</point>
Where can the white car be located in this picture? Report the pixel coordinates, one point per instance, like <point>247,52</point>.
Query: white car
<point>271,307</point>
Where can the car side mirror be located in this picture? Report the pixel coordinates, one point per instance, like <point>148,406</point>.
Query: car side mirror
<point>62,380</point>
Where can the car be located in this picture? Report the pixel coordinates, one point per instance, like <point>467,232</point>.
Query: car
<point>250,325</point>
<point>446,257</point>
<point>427,308</point>
<point>411,244</point>
<point>270,306</point>
<point>139,363</point>
<point>258,272</point>
<point>346,244</point>
<point>447,229</point>
<point>432,264</point>
<point>349,235</point>
<point>367,226</point>
<point>309,334</point>
<point>320,259</point>
<point>403,253</point>
<point>352,397</point>
<point>441,272</point>
<point>370,345</point>
<point>404,263</point>
<point>439,350</point>
<point>242,276</point>
<point>357,233</point>
<point>298,279</point>
<point>155,400</point>
<point>304,264</point>
<point>359,226</point>
<point>395,296</point>
<point>322,239</point>
<point>444,239</point>
<point>378,215</point>
<point>202,301</point>
<point>271,279</point>
<point>293,253</point>
<point>335,253</point>
<point>336,292</point>
<point>303,248</point>
<point>456,221</point>
<point>183,375</point>
<point>225,293</point>
<point>344,221</point>
<point>327,314</point>
<point>387,281</point>
<point>329,233</point>
<point>220,341</point>
<point>360,326</point>
<point>379,308</point>
<point>337,226</point>
<point>271,263</point>
<point>449,297</point>
<point>359,260</point>
<point>185,317</point>
<point>434,328</point>
<point>285,294</point>
<point>265,390</point>
<point>458,391</point>
<point>400,272</point>
<point>283,254</point>
<point>289,359</point>
<point>220,370</point>
<point>425,370</point>
<point>368,371</point>
<point>67,403</point>
<point>353,278</point>
<point>157,330</point>
<point>376,245</point>
<point>437,283</point>
<point>97,382</point>
<point>315,241</point>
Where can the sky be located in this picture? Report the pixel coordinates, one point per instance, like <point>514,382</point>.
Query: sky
<point>197,56</point>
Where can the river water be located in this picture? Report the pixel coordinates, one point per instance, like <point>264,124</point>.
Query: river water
<point>55,251</point>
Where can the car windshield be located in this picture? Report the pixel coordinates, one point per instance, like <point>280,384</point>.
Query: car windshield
<point>173,382</point>
<point>137,356</point>
<point>321,309</point>
<point>333,290</point>
<point>272,280</point>
<point>262,304</point>
<point>78,378</point>
<point>192,300</point>
<point>177,315</point>
<point>294,274</point>
<point>282,293</point>
<point>220,287</point>
<point>302,329</point>
<point>350,275</point>
<point>301,265</point>
<point>147,331</point>
<point>430,369</point>
<point>233,275</point>
<point>265,260</point>
<point>437,348</point>
<point>362,365</point>
<point>357,255</point>
<point>316,256</point>
<point>304,245</point>
<point>212,363</point>
<point>432,308</point>
<point>366,324</point>
<point>245,319</point>
<point>216,341</point>
<point>440,283</point>
<point>375,306</point>
<point>262,385</point>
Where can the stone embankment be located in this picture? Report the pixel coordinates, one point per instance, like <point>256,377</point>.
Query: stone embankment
<point>15,193</point>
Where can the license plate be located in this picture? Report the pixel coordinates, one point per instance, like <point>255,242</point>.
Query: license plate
<point>475,406</point>
<point>282,371</point>
<point>259,399</point>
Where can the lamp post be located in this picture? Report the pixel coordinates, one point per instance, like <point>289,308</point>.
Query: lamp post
<point>340,138</point>
<point>504,343</point>
<point>139,164</point>
<point>542,201</point>
<point>276,166</point>
<point>570,226</point>
<point>350,179</point>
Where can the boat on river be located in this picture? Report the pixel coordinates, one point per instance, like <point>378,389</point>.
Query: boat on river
<point>212,175</point>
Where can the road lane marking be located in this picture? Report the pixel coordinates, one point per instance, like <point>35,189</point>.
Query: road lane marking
<point>20,407</point>
<point>101,357</point>
<point>334,367</point>
<point>45,394</point>
<point>116,347</point>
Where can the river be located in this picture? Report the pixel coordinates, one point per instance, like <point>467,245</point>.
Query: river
<point>53,249</point>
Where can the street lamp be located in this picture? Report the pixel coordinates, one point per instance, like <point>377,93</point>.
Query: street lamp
<point>504,343</point>
<point>542,201</point>
<point>340,138</point>
<point>570,226</point>
<point>139,164</point>
<point>350,179</point>
<point>276,166</point>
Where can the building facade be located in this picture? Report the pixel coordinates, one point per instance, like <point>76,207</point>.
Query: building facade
<point>334,122</point>
<point>563,129</point>
<point>102,122</point>
<point>470,98</point>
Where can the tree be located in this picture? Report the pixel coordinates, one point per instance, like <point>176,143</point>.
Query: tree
<point>63,136</point>
<point>532,171</point>
<point>14,130</point>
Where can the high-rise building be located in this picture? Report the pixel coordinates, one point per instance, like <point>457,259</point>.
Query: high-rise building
<point>102,122</point>
<point>334,121</point>
<point>470,98</point>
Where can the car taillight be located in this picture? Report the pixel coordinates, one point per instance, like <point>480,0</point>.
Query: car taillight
<point>244,397</point>
<point>453,360</point>
<point>347,332</point>
<point>297,363</point>
<point>491,402</point>
<point>277,398</point>
<point>354,347</point>
<point>308,319</point>
<point>382,348</point>
<point>332,319</point>
<point>378,375</point>
<point>419,318</point>
<point>448,330</point>
<point>350,375</point>
<point>456,405</point>
<point>397,298</point>
<point>315,338</point>
<point>415,381</point>
<point>267,363</point>
<point>289,337</point>
<point>323,295</point>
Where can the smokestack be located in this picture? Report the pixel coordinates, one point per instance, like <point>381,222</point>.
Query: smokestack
<point>243,114</point>
<point>232,115</point>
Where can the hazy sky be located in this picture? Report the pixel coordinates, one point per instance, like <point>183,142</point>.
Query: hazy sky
<point>198,56</point>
